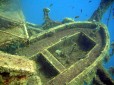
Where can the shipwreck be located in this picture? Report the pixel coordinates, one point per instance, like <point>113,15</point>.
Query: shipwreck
<point>56,53</point>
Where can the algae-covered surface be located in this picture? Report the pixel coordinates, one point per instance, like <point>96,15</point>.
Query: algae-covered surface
<point>70,42</point>
<point>63,49</point>
<point>54,53</point>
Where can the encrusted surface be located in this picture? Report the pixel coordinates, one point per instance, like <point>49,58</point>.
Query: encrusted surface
<point>57,53</point>
<point>13,63</point>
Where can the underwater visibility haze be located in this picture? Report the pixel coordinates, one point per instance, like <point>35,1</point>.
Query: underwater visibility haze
<point>56,42</point>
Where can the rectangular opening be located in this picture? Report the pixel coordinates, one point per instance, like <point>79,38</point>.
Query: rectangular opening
<point>71,49</point>
<point>85,43</point>
<point>44,69</point>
